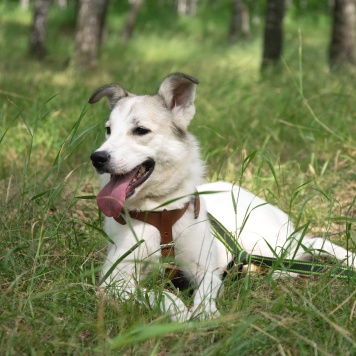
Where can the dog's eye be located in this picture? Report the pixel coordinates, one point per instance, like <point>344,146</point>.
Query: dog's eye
<point>140,131</point>
<point>108,130</point>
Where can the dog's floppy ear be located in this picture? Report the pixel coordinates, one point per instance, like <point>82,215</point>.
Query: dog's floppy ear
<point>178,92</point>
<point>113,92</point>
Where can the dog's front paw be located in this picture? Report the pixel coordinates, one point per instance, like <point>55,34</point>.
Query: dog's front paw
<point>206,311</point>
<point>170,304</point>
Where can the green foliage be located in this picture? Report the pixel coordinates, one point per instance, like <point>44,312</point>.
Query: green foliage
<point>288,136</point>
<point>311,6</point>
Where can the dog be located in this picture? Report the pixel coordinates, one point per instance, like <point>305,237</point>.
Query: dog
<point>150,163</point>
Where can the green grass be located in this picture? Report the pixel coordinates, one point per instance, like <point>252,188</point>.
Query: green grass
<point>297,121</point>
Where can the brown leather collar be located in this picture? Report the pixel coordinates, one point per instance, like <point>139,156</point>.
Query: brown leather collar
<point>163,221</point>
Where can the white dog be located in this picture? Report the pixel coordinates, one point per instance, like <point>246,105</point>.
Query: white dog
<point>150,162</point>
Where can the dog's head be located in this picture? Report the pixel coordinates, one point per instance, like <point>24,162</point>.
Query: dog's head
<point>146,139</point>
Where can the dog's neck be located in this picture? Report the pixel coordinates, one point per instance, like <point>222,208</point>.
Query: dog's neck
<point>163,221</point>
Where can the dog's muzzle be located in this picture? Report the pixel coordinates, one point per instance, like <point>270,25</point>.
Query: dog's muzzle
<point>99,159</point>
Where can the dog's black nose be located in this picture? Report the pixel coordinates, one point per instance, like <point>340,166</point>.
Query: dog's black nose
<point>100,158</point>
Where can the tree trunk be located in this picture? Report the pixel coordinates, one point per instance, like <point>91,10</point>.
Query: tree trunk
<point>240,22</point>
<point>131,19</point>
<point>273,35</point>
<point>39,29</point>
<point>343,39</point>
<point>187,7</point>
<point>62,4</point>
<point>90,24</point>
<point>24,4</point>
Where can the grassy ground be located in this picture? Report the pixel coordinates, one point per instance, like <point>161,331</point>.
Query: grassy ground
<point>299,122</point>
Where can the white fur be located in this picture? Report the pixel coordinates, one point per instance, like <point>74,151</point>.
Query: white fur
<point>178,173</point>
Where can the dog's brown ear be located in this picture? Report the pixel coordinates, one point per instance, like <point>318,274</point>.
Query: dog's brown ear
<point>113,92</point>
<point>178,90</point>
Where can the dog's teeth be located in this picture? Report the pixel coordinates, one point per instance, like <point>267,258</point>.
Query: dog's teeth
<point>140,172</point>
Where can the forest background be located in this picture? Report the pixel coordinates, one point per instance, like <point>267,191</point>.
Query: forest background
<point>275,113</point>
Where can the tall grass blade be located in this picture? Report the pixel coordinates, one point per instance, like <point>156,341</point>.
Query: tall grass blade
<point>101,231</point>
<point>119,260</point>
<point>141,334</point>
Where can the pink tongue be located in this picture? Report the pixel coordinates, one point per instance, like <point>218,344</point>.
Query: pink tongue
<point>112,197</point>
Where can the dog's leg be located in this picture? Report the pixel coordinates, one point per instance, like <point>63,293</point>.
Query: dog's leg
<point>209,283</point>
<point>123,287</point>
<point>171,305</point>
<point>327,249</point>
<point>167,302</point>
<point>319,247</point>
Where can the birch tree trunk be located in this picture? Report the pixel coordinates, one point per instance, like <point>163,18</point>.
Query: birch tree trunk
<point>131,19</point>
<point>62,4</point>
<point>240,22</point>
<point>273,33</point>
<point>38,46</point>
<point>24,4</point>
<point>90,24</point>
<point>343,38</point>
<point>187,7</point>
